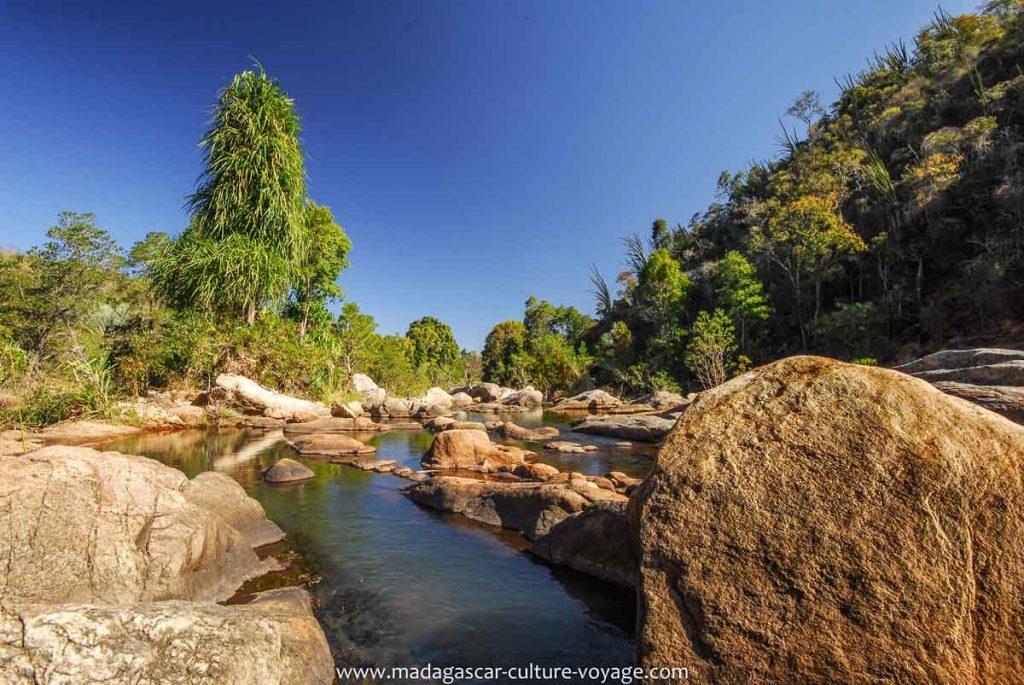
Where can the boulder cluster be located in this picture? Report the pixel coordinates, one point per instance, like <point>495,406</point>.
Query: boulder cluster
<point>114,567</point>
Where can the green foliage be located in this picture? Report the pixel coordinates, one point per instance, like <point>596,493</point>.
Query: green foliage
<point>315,275</point>
<point>432,348</point>
<point>250,229</point>
<point>504,350</point>
<point>739,292</point>
<point>711,351</point>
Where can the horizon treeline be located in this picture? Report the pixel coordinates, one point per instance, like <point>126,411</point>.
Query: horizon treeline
<point>891,222</point>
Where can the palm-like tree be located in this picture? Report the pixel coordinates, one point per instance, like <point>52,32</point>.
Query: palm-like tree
<point>246,232</point>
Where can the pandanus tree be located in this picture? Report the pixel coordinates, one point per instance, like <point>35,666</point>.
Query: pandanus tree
<point>248,214</point>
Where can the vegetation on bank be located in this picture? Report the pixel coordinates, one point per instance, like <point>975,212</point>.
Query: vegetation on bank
<point>892,220</point>
<point>245,288</point>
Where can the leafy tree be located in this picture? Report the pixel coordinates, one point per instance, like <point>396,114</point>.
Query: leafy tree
<point>315,278</point>
<point>432,347</point>
<point>739,292</point>
<point>503,350</point>
<point>355,333</point>
<point>248,227</point>
<point>710,353</point>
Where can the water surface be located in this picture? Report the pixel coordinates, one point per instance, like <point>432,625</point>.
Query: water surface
<point>402,584</point>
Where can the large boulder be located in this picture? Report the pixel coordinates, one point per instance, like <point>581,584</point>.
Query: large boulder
<point>485,392</point>
<point>447,423</point>
<point>436,397</point>
<point>595,541</point>
<point>968,361</point>
<point>591,400</point>
<point>253,397</point>
<point>273,639</point>
<point>815,521</point>
<point>471,450</point>
<point>530,508</point>
<point>347,410</point>
<point>638,427</point>
<point>1007,400</point>
<point>373,395</point>
<point>78,525</point>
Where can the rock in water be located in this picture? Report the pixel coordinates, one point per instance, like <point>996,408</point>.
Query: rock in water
<point>78,525</point>
<point>253,396</point>
<point>595,541</point>
<point>641,428</point>
<point>530,508</point>
<point>329,445</point>
<point>517,432</point>
<point>334,424</point>
<point>815,521</point>
<point>287,471</point>
<point>471,450</point>
<point>272,639</point>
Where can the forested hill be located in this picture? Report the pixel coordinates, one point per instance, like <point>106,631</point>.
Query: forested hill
<point>889,223</point>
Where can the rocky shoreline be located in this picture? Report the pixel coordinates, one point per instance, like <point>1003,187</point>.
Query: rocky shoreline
<point>783,481</point>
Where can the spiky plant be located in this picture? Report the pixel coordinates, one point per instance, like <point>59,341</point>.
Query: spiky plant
<point>247,211</point>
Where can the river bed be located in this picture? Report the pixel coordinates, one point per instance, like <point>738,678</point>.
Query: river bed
<point>400,584</point>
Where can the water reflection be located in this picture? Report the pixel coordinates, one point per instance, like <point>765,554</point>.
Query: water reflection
<point>406,585</point>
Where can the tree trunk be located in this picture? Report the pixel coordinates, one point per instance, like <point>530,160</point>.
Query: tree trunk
<point>250,313</point>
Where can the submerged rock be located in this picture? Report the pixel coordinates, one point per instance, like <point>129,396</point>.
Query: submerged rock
<point>446,423</point>
<point>638,427</point>
<point>287,471</point>
<point>814,521</point>
<point>78,525</point>
<point>252,396</point>
<point>471,450</point>
<point>272,639</point>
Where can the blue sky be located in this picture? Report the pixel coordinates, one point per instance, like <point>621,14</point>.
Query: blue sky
<point>476,152</point>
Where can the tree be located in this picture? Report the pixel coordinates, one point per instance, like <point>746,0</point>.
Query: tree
<point>355,333</point>
<point>248,212</point>
<point>739,292</point>
<point>316,272</point>
<point>805,239</point>
<point>710,353</point>
<point>503,348</point>
<point>433,348</point>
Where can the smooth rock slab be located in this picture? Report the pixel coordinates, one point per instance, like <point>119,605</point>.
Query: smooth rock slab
<point>596,541</point>
<point>640,428</point>
<point>334,424</point>
<point>273,639</point>
<point>254,397</point>
<point>329,445</point>
<point>287,471</point>
<point>223,496</point>
<point>517,432</point>
<point>569,447</point>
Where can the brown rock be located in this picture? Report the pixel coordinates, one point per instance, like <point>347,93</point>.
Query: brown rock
<point>535,471</point>
<point>471,450</point>
<point>531,508</point>
<point>596,541</point>
<point>287,471</point>
<point>517,432</point>
<point>330,445</point>
<point>819,522</point>
<point>569,447</point>
<point>221,495</point>
<point>334,424</point>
